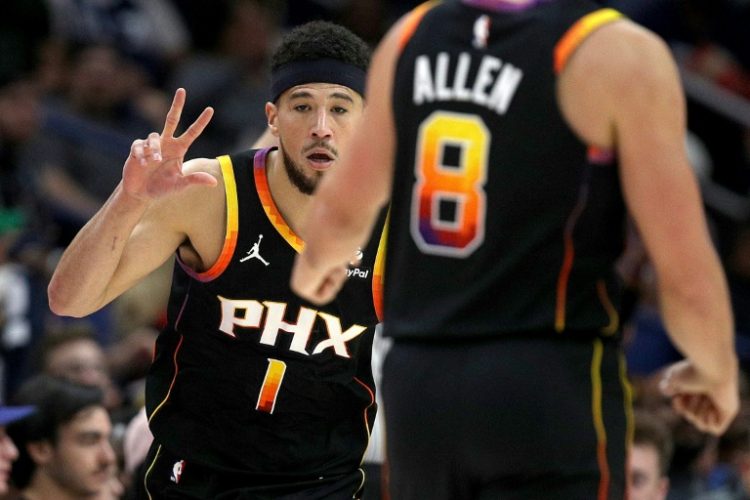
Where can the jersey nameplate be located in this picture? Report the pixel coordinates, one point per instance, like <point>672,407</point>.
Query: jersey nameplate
<point>447,79</point>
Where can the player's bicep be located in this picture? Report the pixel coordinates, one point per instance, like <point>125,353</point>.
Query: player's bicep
<point>659,186</point>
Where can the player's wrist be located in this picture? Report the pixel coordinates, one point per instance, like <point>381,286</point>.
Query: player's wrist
<point>129,200</point>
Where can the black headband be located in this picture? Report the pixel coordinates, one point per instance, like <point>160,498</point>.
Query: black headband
<point>317,71</point>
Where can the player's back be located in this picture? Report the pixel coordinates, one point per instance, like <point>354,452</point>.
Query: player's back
<point>502,219</point>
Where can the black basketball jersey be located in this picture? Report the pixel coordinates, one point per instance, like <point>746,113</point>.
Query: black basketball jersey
<point>248,377</point>
<point>502,219</point>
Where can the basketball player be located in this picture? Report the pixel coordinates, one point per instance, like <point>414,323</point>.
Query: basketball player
<point>253,393</point>
<point>519,132</point>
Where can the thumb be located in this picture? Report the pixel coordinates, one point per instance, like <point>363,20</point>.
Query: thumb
<point>681,379</point>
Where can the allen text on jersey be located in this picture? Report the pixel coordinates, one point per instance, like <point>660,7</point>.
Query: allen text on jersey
<point>447,79</point>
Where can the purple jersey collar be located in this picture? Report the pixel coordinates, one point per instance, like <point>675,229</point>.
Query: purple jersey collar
<point>503,5</point>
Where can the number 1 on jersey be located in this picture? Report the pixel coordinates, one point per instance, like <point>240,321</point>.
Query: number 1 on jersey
<point>271,385</point>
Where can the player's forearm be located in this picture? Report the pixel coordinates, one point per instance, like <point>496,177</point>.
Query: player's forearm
<point>340,230</point>
<point>343,213</point>
<point>697,313</point>
<point>79,284</point>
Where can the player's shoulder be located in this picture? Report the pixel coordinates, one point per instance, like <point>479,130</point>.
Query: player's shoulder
<point>621,49</point>
<point>196,201</point>
<point>206,165</point>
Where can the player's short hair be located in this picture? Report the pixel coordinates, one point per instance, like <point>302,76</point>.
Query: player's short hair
<point>319,51</point>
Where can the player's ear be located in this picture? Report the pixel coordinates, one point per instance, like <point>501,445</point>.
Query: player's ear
<point>272,114</point>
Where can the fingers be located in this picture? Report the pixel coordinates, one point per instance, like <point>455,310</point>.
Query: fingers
<point>195,130</point>
<point>330,286</point>
<point>153,143</point>
<point>175,112</point>
<point>145,150</point>
<point>702,412</point>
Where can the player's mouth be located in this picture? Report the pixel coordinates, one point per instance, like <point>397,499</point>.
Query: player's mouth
<point>320,159</point>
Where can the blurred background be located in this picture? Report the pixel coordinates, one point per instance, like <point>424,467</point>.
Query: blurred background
<point>81,79</point>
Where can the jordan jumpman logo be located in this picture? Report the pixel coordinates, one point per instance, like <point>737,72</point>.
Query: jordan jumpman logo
<point>254,252</point>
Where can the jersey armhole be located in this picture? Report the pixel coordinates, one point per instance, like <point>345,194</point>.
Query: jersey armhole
<point>577,33</point>
<point>230,236</point>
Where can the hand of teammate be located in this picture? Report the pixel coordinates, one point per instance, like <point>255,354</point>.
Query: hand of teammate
<point>707,404</point>
<point>154,167</point>
<point>318,284</point>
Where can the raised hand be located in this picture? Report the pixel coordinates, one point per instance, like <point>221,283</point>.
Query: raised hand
<point>154,167</point>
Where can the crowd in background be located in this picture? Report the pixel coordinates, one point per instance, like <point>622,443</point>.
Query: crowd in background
<point>81,79</point>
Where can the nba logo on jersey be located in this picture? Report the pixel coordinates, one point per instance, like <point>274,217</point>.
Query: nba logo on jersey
<point>481,32</point>
<point>177,471</point>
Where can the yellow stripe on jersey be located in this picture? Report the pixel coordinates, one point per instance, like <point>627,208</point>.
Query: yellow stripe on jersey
<point>378,275</point>
<point>577,33</point>
<point>598,416</point>
<point>614,317</point>
<point>230,238</point>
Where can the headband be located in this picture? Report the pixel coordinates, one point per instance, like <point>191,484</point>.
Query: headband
<point>317,71</point>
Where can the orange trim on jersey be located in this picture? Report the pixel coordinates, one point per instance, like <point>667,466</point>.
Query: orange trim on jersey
<point>567,265</point>
<point>269,206</point>
<point>171,384</point>
<point>598,416</point>
<point>230,238</point>
<point>367,423</point>
<point>614,318</point>
<point>378,274</point>
<point>577,33</point>
<point>412,21</point>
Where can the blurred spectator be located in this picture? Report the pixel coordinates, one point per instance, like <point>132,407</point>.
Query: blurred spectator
<point>693,453</point>
<point>25,234</point>
<point>64,448</point>
<point>73,354</point>
<point>367,18</point>
<point>8,450</point>
<point>151,31</point>
<point>24,26</point>
<point>136,443</point>
<point>729,478</point>
<point>77,157</point>
<point>715,44</point>
<point>232,77</point>
<point>649,458</point>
